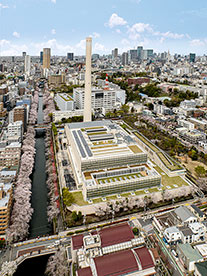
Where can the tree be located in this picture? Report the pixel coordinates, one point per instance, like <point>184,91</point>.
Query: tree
<point>200,171</point>
<point>125,108</point>
<point>68,198</point>
<point>135,231</point>
<point>74,216</point>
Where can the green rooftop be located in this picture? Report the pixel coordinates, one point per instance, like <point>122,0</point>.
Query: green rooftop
<point>191,254</point>
<point>202,268</point>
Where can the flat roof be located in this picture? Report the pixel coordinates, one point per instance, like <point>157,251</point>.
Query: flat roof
<point>191,254</point>
<point>101,139</point>
<point>116,264</point>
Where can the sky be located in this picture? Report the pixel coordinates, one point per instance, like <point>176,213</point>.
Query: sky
<point>30,25</point>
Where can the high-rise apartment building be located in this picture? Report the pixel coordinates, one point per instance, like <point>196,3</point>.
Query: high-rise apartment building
<point>125,59</point>
<point>19,113</point>
<point>46,58</point>
<point>27,65</point>
<point>115,53</point>
<point>70,56</point>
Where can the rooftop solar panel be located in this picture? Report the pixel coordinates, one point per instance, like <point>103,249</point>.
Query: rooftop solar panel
<point>101,137</point>
<point>85,144</point>
<point>83,154</point>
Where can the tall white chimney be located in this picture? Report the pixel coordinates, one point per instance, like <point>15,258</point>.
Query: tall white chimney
<point>87,100</point>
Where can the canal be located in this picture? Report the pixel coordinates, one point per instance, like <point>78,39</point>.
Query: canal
<point>39,225</point>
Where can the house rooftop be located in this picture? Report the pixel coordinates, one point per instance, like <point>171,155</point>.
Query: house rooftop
<point>184,213</point>
<point>191,254</point>
<point>202,268</point>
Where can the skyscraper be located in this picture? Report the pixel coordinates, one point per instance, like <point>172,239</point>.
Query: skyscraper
<point>27,65</point>
<point>87,101</point>
<point>41,57</point>
<point>70,56</point>
<point>24,54</point>
<point>46,58</point>
<point>139,52</point>
<point>125,59</point>
<point>192,57</point>
<point>115,53</point>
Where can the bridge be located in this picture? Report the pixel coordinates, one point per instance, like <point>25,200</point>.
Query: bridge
<point>19,252</point>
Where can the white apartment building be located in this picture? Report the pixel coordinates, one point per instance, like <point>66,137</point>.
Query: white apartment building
<point>59,115</point>
<point>15,129</point>
<point>188,125</point>
<point>100,98</point>
<point>27,65</point>
<point>64,102</point>
<point>120,93</point>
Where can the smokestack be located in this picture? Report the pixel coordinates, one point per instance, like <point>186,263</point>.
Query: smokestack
<point>87,100</point>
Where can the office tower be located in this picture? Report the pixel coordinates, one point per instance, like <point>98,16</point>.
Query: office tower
<point>139,52</point>
<point>24,54</point>
<point>13,59</point>
<point>46,58</point>
<point>27,64</point>
<point>150,53</point>
<point>125,59</point>
<point>133,55</point>
<point>192,57</point>
<point>87,103</point>
<point>115,53</point>
<point>41,57</point>
<point>70,56</point>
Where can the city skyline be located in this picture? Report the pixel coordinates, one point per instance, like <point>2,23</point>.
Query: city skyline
<point>63,26</point>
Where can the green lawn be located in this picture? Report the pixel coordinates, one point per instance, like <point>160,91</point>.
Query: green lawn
<point>171,165</point>
<point>167,181</point>
<point>79,199</point>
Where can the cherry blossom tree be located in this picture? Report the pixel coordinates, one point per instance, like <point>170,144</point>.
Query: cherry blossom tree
<point>57,264</point>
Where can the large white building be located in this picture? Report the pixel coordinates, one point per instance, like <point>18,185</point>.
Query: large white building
<point>107,99</point>
<point>107,160</point>
<point>64,102</point>
<point>27,65</point>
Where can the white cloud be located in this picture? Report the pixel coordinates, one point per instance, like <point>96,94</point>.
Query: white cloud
<point>125,41</point>
<point>99,47</point>
<point>96,35</point>
<point>138,28</point>
<point>197,43</point>
<point>53,31</point>
<point>172,35</point>
<point>16,34</point>
<point>118,31</point>
<point>53,1</point>
<point>116,20</point>
<point>3,6</point>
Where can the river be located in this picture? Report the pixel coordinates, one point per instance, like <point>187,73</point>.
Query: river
<point>39,225</point>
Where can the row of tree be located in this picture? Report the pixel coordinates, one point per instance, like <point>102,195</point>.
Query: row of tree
<point>49,105</point>
<point>52,210</point>
<point>137,202</point>
<point>34,109</point>
<point>22,210</point>
<point>57,264</point>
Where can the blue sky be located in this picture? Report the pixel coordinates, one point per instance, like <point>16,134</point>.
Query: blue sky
<point>30,25</point>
